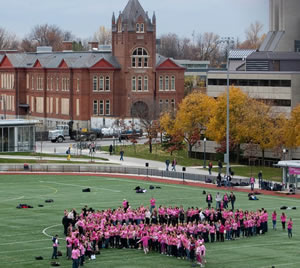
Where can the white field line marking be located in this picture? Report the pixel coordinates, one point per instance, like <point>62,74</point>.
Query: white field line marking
<point>21,242</point>
<point>44,231</point>
<point>76,185</point>
<point>12,199</point>
<point>22,250</point>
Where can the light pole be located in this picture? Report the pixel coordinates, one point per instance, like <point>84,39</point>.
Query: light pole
<point>204,151</point>
<point>228,41</point>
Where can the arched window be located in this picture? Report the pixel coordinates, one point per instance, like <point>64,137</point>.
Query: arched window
<point>95,83</point>
<point>173,82</point>
<point>101,83</point>
<point>133,85</point>
<point>107,83</point>
<point>161,83</point>
<point>140,83</point>
<point>145,83</point>
<point>139,58</point>
<point>167,82</point>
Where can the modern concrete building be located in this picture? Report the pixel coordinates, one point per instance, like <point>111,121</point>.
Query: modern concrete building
<point>284,26</point>
<point>17,135</point>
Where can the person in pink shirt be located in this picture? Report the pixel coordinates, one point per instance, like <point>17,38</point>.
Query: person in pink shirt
<point>145,241</point>
<point>274,219</point>
<point>290,228</point>
<point>252,181</point>
<point>75,257</point>
<point>203,254</point>
<point>283,220</point>
<point>152,204</point>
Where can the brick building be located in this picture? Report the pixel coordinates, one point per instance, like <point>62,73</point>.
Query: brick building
<point>57,87</point>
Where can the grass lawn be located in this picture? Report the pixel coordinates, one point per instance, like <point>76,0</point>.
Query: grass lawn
<point>22,238</point>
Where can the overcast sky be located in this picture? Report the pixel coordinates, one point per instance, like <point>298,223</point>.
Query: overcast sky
<point>183,17</point>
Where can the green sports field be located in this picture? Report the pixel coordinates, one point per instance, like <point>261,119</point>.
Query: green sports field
<point>25,232</point>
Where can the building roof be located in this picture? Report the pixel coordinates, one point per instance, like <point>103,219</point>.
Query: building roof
<point>53,60</point>
<point>268,55</point>
<point>239,54</point>
<point>194,62</point>
<point>288,163</point>
<point>131,13</point>
<point>17,122</point>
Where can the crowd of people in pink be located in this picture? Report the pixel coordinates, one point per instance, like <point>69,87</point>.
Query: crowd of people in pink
<point>172,231</point>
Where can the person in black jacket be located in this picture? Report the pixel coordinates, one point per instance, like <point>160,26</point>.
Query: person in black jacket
<point>232,199</point>
<point>209,200</point>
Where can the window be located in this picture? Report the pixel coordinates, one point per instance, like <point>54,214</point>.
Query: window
<point>101,104</point>
<point>133,63</point>
<point>146,83</point>
<point>107,83</point>
<point>173,82</point>
<point>137,27</point>
<point>133,84</point>
<point>27,81</point>
<point>167,83</point>
<point>167,104</point>
<point>68,84</point>
<point>120,27</point>
<point>139,83</point>
<point>160,105</point>
<point>95,107</point>
<point>95,83</point>
<point>78,84</point>
<point>173,104</point>
<point>51,83</point>
<point>101,83</point>
<point>107,107</point>
<point>142,27</point>
<point>275,83</point>
<point>57,84</point>
<point>48,85</point>
<point>32,82</point>
<point>161,83</point>
<point>139,58</point>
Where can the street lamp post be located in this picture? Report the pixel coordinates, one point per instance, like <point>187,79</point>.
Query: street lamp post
<point>204,151</point>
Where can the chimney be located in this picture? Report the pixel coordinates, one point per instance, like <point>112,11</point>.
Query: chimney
<point>67,46</point>
<point>93,45</point>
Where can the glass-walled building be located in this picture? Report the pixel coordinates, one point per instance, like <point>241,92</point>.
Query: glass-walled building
<point>17,135</point>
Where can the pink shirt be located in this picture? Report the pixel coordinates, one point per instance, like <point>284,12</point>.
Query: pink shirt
<point>75,254</point>
<point>152,202</point>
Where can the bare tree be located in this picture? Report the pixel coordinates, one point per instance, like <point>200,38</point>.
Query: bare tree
<point>8,40</point>
<point>254,36</point>
<point>170,45</point>
<point>103,36</point>
<point>207,47</point>
<point>46,35</point>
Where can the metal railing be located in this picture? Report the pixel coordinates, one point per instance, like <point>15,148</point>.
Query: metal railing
<point>112,170</point>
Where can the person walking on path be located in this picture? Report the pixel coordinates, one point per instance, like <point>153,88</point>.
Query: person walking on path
<point>210,166</point>
<point>174,163</point>
<point>220,166</point>
<point>167,164</point>
<point>260,178</point>
<point>110,149</point>
<point>252,181</point>
<point>121,155</point>
<point>55,246</point>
